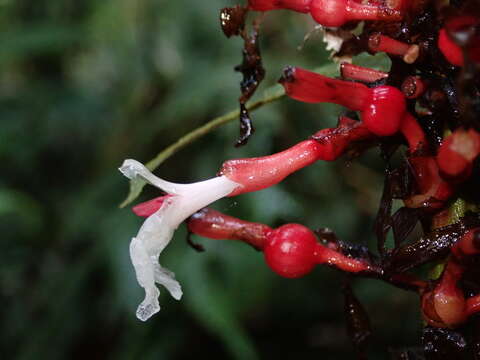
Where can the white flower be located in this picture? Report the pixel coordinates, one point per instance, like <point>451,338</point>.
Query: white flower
<point>157,230</point>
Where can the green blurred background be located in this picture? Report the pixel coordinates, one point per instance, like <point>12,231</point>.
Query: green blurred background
<point>86,84</point>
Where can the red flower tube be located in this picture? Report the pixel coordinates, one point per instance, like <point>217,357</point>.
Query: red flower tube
<point>354,72</point>
<point>457,152</point>
<point>382,108</point>
<point>381,43</point>
<point>332,13</point>
<point>262,172</point>
<point>292,250</point>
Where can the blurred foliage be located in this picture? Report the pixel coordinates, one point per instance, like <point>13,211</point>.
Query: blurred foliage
<point>85,84</point>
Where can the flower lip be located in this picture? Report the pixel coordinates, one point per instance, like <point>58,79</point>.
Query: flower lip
<point>182,200</point>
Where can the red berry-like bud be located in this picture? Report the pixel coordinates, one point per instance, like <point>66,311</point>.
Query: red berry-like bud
<point>290,250</point>
<point>385,111</point>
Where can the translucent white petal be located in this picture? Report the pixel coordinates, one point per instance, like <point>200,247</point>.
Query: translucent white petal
<point>157,230</point>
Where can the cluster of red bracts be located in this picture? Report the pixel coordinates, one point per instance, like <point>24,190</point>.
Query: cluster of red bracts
<point>293,250</point>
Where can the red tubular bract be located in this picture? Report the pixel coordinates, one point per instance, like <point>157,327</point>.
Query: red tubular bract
<point>360,73</point>
<point>328,144</point>
<point>458,151</point>
<point>215,225</point>
<point>382,107</point>
<point>382,43</point>
<point>310,87</point>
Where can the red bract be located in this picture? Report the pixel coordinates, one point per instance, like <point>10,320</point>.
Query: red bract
<point>331,13</point>
<point>382,108</point>
<point>457,152</point>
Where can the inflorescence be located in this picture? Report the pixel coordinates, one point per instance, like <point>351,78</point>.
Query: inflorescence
<point>428,102</point>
